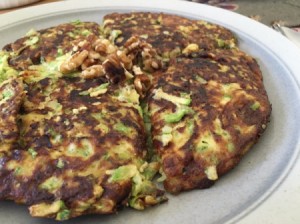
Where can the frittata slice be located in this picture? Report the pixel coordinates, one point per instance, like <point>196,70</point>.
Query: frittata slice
<point>170,35</point>
<point>47,44</point>
<point>82,144</point>
<point>206,113</point>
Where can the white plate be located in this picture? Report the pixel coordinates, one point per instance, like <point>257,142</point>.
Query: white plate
<point>265,187</point>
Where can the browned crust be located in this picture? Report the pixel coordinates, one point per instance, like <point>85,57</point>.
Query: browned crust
<point>48,42</point>
<point>168,34</point>
<point>12,93</point>
<point>184,166</point>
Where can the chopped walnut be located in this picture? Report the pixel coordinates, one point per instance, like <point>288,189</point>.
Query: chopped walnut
<point>133,43</point>
<point>93,72</point>
<point>135,46</point>
<point>98,57</point>
<point>82,43</point>
<point>151,64</point>
<point>74,62</point>
<point>100,47</point>
<point>142,84</point>
<point>114,71</point>
<point>104,46</point>
<point>94,55</point>
<point>125,59</point>
<point>87,63</point>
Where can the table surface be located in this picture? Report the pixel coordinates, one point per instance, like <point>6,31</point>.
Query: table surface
<point>38,3</point>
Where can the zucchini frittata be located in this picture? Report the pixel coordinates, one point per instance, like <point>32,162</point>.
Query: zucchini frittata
<point>93,116</point>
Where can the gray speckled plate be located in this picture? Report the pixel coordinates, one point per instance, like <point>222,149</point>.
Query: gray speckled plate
<point>265,181</point>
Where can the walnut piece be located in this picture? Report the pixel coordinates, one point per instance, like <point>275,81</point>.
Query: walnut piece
<point>104,47</point>
<point>135,46</point>
<point>74,62</point>
<point>142,83</point>
<point>93,71</point>
<point>114,71</point>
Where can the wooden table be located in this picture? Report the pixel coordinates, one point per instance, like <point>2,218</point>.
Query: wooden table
<point>38,3</point>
